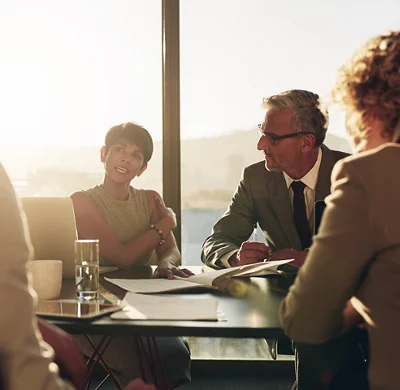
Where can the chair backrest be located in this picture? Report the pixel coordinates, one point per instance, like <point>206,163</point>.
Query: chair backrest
<point>52,229</point>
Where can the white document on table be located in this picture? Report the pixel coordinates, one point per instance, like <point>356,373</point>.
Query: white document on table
<point>154,286</point>
<point>262,270</point>
<point>171,307</point>
<point>201,281</point>
<point>267,268</point>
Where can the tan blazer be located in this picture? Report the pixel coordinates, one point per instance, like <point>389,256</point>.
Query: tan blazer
<point>262,197</point>
<point>356,252</point>
<point>26,359</point>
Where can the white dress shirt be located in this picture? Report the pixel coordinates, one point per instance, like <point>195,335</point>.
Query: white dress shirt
<point>310,179</point>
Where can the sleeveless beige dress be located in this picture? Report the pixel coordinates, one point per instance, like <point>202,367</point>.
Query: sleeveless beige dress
<point>128,219</point>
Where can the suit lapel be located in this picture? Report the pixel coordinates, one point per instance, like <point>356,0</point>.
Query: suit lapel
<point>282,209</point>
<point>323,188</point>
<point>279,201</point>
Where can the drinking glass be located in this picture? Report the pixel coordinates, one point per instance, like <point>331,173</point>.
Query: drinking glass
<point>87,269</point>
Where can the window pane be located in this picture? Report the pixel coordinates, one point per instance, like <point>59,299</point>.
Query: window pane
<point>70,70</point>
<point>232,54</point>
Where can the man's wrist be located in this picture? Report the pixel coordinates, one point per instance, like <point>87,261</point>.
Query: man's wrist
<point>223,261</point>
<point>233,260</point>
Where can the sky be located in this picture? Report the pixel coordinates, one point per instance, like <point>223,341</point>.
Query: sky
<point>69,70</point>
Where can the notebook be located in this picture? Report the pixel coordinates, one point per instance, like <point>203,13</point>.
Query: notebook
<point>171,307</point>
<point>201,281</point>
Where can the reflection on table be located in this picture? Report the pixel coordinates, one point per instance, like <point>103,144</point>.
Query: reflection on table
<point>250,305</point>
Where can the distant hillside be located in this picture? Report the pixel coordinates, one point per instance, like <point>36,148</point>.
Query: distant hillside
<point>217,163</point>
<point>208,164</point>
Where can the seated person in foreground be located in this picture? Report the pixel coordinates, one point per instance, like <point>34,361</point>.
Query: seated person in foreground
<point>352,271</point>
<point>131,224</point>
<point>279,192</point>
<point>26,361</point>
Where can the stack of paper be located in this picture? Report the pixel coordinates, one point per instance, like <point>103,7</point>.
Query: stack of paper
<point>200,281</point>
<point>172,307</point>
<point>154,286</point>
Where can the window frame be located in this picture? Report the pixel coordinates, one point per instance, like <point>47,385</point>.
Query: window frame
<point>171,112</point>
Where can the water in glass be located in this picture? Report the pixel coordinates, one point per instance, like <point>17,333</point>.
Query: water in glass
<point>87,269</point>
<point>87,281</point>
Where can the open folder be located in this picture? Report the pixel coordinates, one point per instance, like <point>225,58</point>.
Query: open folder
<point>201,281</point>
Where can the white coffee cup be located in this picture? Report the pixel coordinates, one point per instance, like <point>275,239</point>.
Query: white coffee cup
<point>46,278</point>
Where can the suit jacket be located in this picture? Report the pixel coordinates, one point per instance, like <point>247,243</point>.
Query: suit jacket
<point>262,197</point>
<point>25,359</point>
<point>356,252</point>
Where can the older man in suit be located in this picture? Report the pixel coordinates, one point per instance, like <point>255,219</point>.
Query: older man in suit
<point>278,193</point>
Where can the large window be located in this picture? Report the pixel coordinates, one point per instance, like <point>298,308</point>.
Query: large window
<point>232,54</point>
<point>69,70</point>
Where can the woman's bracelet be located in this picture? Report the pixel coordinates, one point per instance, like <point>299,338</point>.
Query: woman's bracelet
<point>159,232</point>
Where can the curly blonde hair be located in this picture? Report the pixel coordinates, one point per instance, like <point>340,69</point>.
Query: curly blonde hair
<point>370,83</point>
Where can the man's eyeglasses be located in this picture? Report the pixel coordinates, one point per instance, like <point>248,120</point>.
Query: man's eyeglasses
<point>274,137</point>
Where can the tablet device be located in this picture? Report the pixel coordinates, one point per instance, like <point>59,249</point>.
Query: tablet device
<point>74,310</point>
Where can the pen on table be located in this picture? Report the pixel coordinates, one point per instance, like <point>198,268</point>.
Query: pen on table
<point>254,239</point>
<point>255,233</point>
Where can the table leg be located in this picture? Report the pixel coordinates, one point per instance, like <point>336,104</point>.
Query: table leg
<point>140,353</point>
<point>102,382</point>
<point>99,354</point>
<point>151,356</point>
<point>161,364</point>
<point>92,358</point>
<point>145,363</point>
<point>153,367</point>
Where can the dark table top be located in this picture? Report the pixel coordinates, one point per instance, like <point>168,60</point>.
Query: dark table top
<point>250,305</point>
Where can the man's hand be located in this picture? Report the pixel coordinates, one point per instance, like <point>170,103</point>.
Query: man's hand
<point>351,317</point>
<point>168,270</point>
<point>67,352</point>
<point>249,253</point>
<point>138,384</point>
<point>298,256</point>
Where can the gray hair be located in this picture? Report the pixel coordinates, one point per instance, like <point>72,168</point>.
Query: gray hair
<point>308,115</point>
